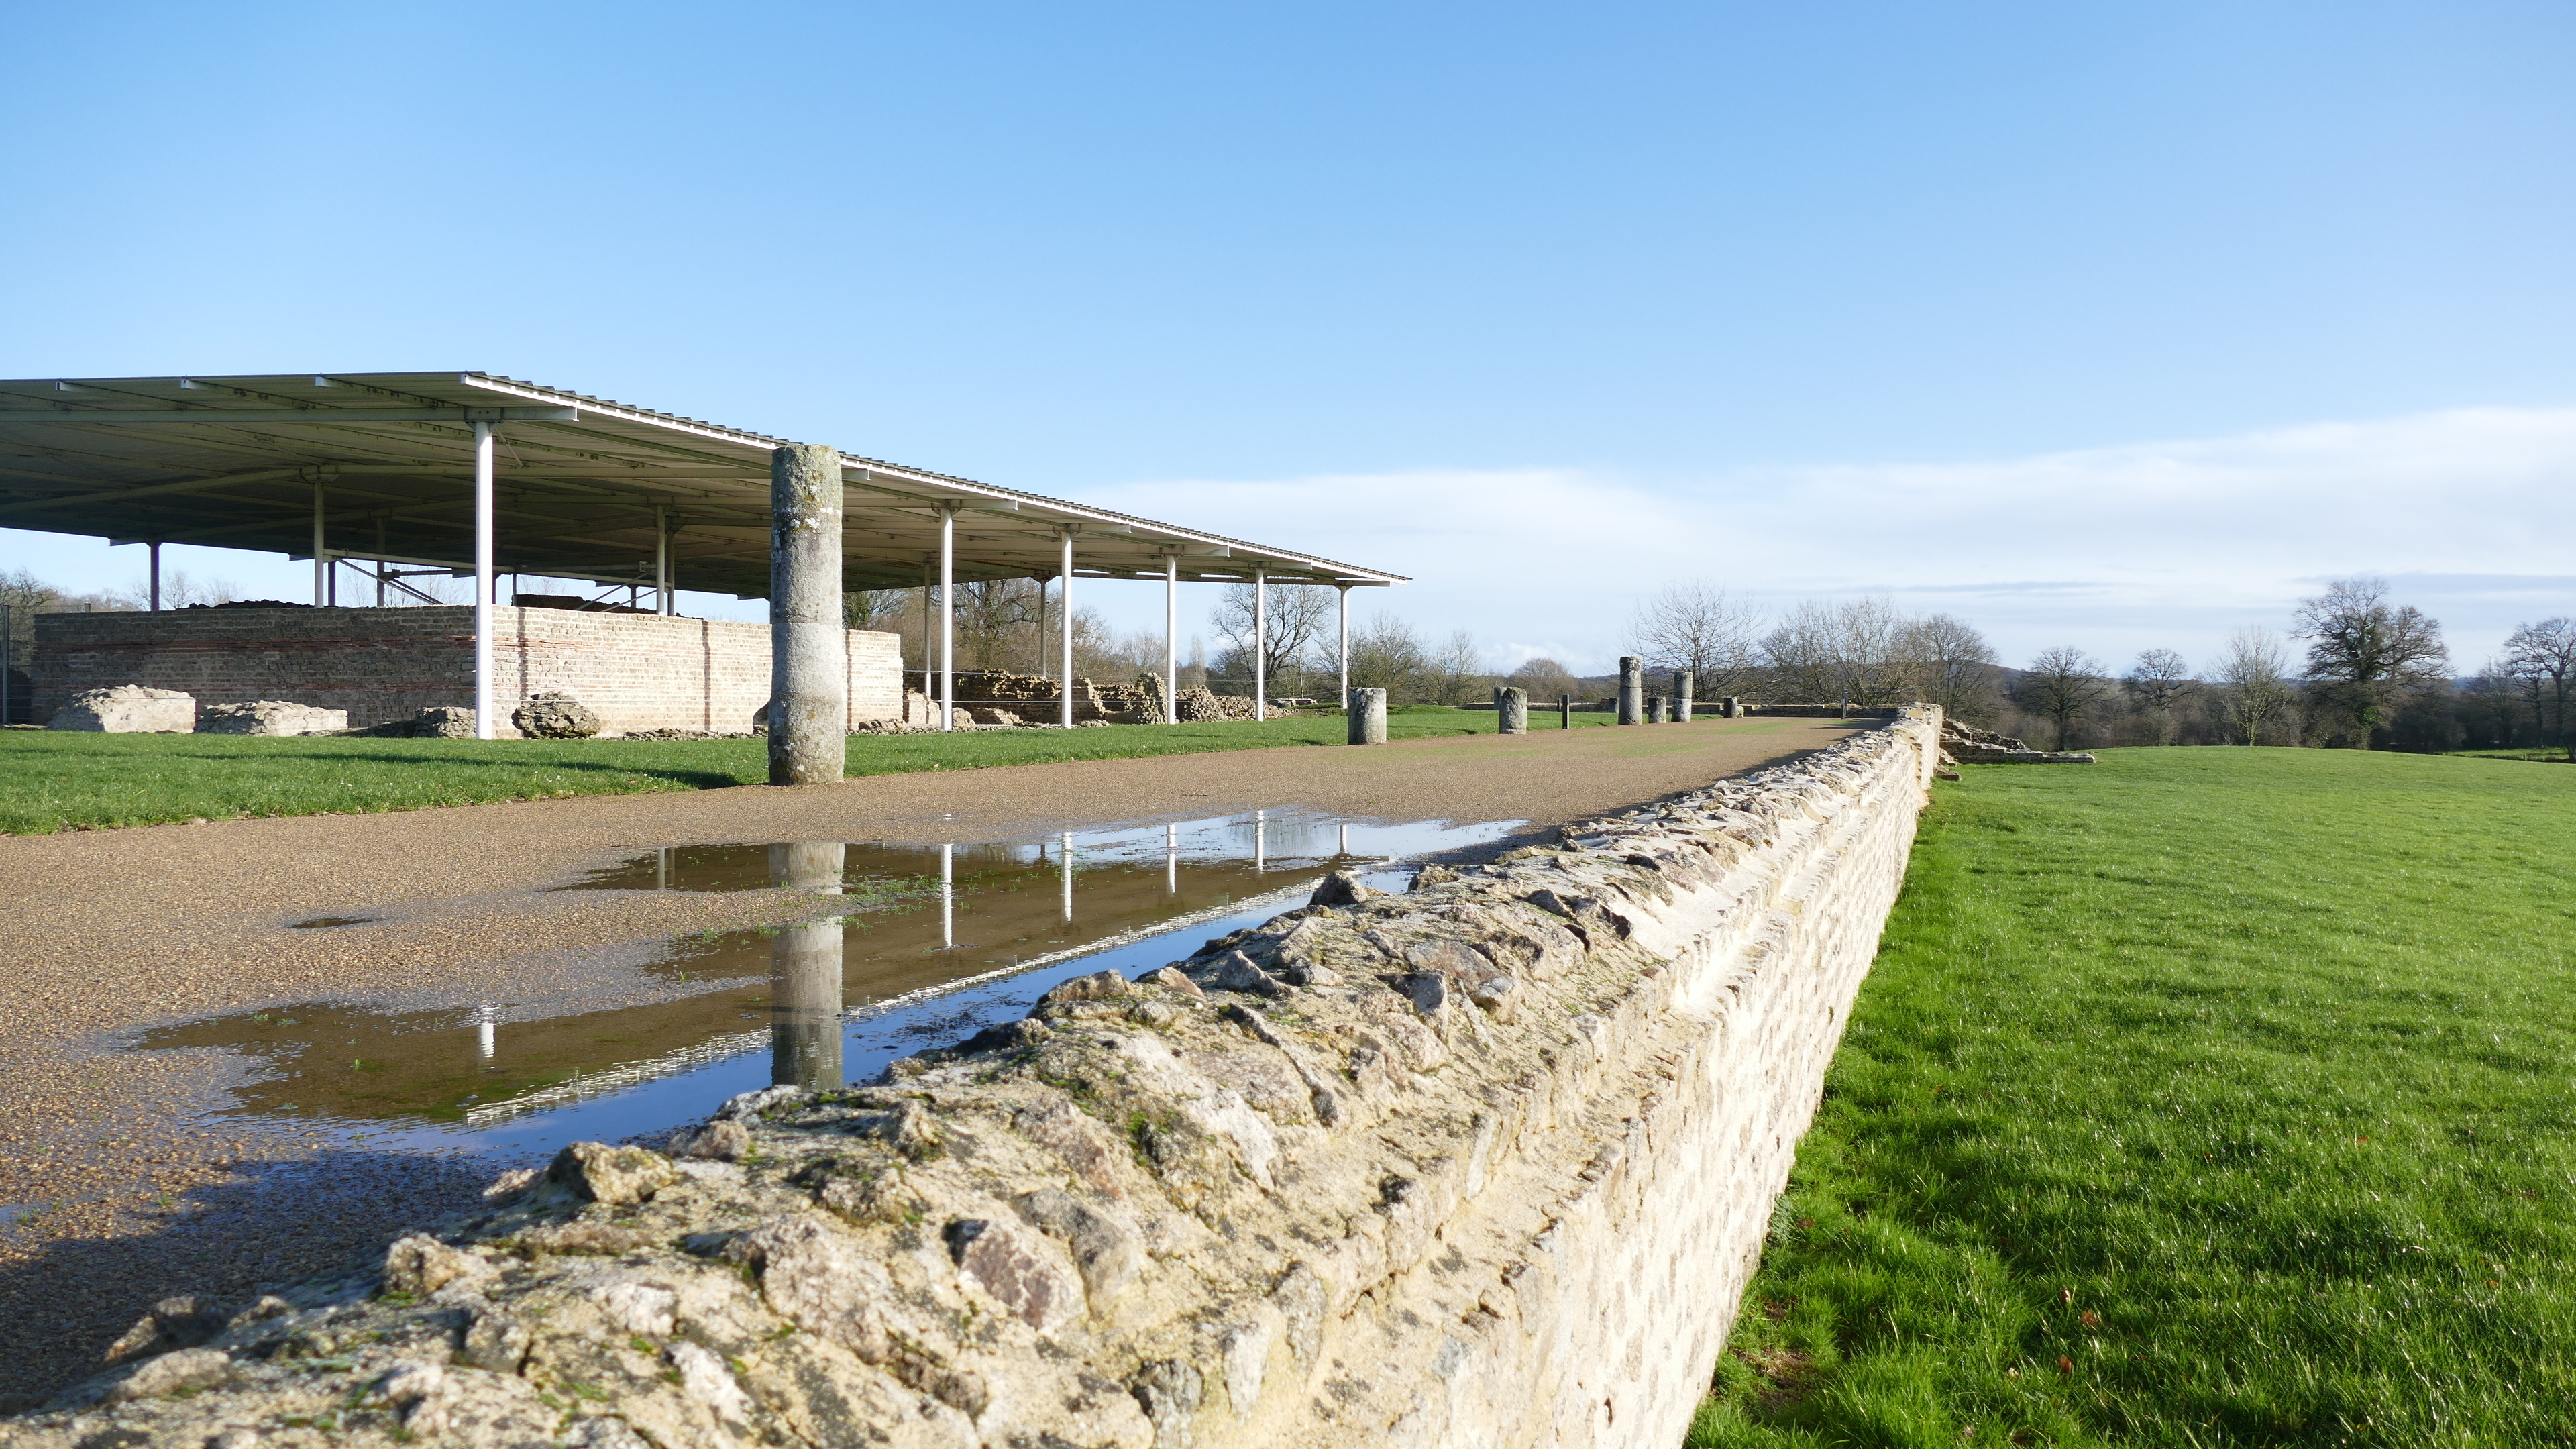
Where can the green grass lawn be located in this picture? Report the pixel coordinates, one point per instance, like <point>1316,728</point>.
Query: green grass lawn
<point>53,781</point>
<point>2198,1097</point>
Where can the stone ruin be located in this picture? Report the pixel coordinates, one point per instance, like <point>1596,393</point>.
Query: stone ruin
<point>128,709</point>
<point>554,715</point>
<point>271,717</point>
<point>1968,745</point>
<point>1486,1163</point>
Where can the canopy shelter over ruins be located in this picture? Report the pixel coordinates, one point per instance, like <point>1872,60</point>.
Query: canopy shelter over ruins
<point>482,474</point>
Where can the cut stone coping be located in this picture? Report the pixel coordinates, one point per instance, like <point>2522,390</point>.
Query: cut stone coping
<point>1484,1163</point>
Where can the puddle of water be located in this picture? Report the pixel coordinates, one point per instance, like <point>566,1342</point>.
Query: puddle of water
<point>324,923</point>
<point>930,944</point>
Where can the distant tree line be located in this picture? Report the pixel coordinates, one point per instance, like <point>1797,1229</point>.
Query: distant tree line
<point>2373,674</point>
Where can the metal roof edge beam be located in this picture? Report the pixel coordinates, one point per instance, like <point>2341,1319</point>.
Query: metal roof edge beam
<point>269,417</point>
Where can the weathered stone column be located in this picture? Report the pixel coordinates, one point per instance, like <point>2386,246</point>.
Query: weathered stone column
<point>1565,711</point>
<point>1681,696</point>
<point>1735,706</point>
<point>809,706</point>
<point>1511,711</point>
<point>1632,689</point>
<point>805,973</point>
<point>1367,710</point>
<point>1655,710</point>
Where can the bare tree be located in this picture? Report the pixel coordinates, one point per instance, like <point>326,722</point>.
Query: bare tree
<point>1300,614</point>
<point>1546,680</point>
<point>2364,654</point>
<point>2063,685</point>
<point>2541,660</point>
<point>1457,670</point>
<point>994,620</point>
<point>2159,681</point>
<point>1950,664</point>
<point>1848,652</point>
<point>1695,626</point>
<point>883,610</point>
<point>2253,677</point>
<point>1386,654</point>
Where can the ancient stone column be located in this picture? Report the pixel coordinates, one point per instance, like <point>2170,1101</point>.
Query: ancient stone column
<point>1632,689</point>
<point>805,973</point>
<point>1735,706</point>
<point>1565,711</point>
<point>1655,710</point>
<point>809,707</point>
<point>1367,710</point>
<point>1681,696</point>
<point>1511,711</point>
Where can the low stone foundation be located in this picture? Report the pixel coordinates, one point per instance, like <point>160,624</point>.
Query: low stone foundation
<point>1487,1163</point>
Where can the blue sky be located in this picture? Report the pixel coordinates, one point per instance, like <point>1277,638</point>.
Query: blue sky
<point>2117,325</point>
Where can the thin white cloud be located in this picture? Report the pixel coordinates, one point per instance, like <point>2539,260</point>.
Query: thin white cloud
<point>2470,511</point>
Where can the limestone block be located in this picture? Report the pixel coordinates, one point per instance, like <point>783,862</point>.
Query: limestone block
<point>270,717</point>
<point>129,709</point>
<point>444,722</point>
<point>554,716</point>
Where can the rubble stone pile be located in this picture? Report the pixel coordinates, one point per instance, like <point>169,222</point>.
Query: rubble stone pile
<point>1966,744</point>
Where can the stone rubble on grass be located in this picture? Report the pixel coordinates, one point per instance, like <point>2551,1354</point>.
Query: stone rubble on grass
<point>1281,1192</point>
<point>270,717</point>
<point>1968,745</point>
<point>128,709</point>
<point>553,715</point>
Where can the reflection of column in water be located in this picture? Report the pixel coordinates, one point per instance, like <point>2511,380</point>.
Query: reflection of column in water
<point>1064,863</point>
<point>1172,859</point>
<point>662,869</point>
<point>1346,842</point>
<point>483,1033</point>
<point>947,896</point>
<point>805,973</point>
<point>1259,856</point>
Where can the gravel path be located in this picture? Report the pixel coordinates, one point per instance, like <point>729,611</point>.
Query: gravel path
<point>116,1190</point>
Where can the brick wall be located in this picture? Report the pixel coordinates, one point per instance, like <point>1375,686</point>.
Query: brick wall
<point>636,671</point>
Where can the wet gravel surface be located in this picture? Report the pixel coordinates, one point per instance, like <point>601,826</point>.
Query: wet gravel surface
<point>117,1189</point>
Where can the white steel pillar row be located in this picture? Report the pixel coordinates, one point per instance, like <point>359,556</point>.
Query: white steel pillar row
<point>1064,571</point>
<point>482,580</point>
<point>948,616</point>
<point>1346,644</point>
<point>1171,638</point>
<point>321,557</point>
<point>809,704</point>
<point>156,576</point>
<point>1260,643</point>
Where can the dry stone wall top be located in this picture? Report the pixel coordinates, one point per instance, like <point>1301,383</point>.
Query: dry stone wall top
<point>1485,1163</point>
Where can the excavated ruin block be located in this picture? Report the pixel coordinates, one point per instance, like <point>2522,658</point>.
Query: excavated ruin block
<point>129,709</point>
<point>270,717</point>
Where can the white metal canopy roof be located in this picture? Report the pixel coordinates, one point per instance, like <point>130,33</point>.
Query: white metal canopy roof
<point>234,462</point>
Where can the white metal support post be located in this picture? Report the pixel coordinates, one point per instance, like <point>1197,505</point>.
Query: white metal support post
<point>156,576</point>
<point>1346,644</point>
<point>321,558</point>
<point>661,560</point>
<point>1064,571</point>
<point>1172,638</point>
<point>948,616</point>
<point>929,570</point>
<point>482,579</point>
<point>1260,643</point>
